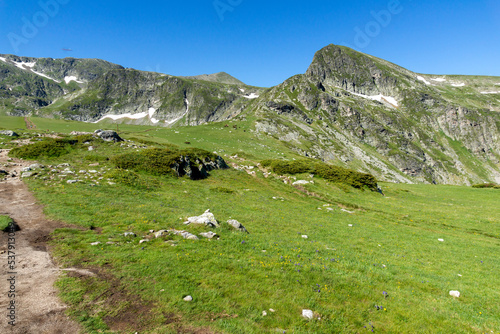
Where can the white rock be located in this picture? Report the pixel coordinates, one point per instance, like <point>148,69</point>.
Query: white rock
<point>209,235</point>
<point>305,236</point>
<point>160,233</point>
<point>455,293</point>
<point>308,314</point>
<point>188,298</point>
<point>95,243</point>
<point>441,240</point>
<point>129,234</point>
<point>350,225</point>
<point>301,182</point>
<point>264,313</point>
<point>272,310</point>
<point>143,241</point>
<point>207,218</point>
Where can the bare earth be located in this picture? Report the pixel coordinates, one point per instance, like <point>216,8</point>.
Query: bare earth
<point>38,309</point>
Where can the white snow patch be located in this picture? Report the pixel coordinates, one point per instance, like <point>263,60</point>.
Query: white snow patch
<point>3,59</point>
<point>423,79</point>
<point>45,76</point>
<point>458,85</point>
<point>21,65</point>
<point>151,112</point>
<point>71,78</point>
<point>131,116</point>
<point>242,90</point>
<point>439,79</point>
<point>251,96</point>
<point>380,98</point>
<point>490,92</point>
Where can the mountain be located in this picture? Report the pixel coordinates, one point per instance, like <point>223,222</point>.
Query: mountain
<point>221,77</point>
<point>349,109</point>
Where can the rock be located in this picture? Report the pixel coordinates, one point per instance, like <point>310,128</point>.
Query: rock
<point>143,241</point>
<point>63,165</point>
<point>207,219</point>
<point>3,172</point>
<point>184,234</point>
<point>91,148</point>
<point>441,240</point>
<point>301,182</point>
<point>308,314</point>
<point>264,313</point>
<point>36,166</point>
<point>9,133</point>
<point>188,299</point>
<point>27,174</point>
<point>71,181</point>
<point>209,235</point>
<point>237,225</point>
<point>161,233</point>
<point>108,135</point>
<point>305,236</point>
<point>344,210</point>
<point>272,310</point>
<point>25,169</point>
<point>129,234</point>
<point>95,243</point>
<point>455,293</point>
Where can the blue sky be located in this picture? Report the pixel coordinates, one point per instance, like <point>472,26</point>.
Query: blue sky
<point>260,42</point>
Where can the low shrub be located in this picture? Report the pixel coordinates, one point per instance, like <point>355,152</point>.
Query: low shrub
<point>486,185</point>
<point>328,172</point>
<point>48,148</point>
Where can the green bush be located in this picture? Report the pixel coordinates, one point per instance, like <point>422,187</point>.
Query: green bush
<point>158,161</point>
<point>486,185</point>
<point>328,172</point>
<point>48,148</point>
<point>4,222</point>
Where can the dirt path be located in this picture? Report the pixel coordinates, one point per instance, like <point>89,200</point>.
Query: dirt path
<point>38,309</point>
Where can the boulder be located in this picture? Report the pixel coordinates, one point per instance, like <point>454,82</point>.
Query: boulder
<point>184,234</point>
<point>188,299</point>
<point>108,135</point>
<point>207,219</point>
<point>455,293</point>
<point>9,133</point>
<point>161,233</point>
<point>129,234</point>
<point>301,182</point>
<point>237,225</point>
<point>209,235</point>
<point>308,314</point>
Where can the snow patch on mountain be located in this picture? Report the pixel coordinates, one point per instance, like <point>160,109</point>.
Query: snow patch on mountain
<point>151,112</point>
<point>380,98</point>
<point>490,92</point>
<point>438,79</point>
<point>458,85</point>
<point>68,79</point>
<point>251,96</point>
<point>423,79</point>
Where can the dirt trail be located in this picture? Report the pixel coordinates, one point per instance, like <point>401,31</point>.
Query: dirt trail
<point>38,309</point>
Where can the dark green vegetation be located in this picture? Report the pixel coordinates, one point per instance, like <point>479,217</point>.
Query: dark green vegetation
<point>369,260</point>
<point>487,185</point>
<point>328,172</point>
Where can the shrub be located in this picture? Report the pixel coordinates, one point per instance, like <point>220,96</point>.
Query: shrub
<point>487,185</point>
<point>328,172</point>
<point>49,148</point>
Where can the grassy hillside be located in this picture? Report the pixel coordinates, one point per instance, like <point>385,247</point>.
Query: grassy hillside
<point>369,262</point>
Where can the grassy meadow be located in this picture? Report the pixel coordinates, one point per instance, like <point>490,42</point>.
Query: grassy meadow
<point>361,261</point>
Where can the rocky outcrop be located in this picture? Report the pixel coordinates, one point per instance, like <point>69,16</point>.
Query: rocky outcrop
<point>108,135</point>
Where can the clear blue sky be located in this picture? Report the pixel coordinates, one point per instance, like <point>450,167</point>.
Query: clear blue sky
<point>260,42</point>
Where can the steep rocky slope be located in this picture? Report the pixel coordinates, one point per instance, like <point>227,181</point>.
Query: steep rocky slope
<point>363,112</point>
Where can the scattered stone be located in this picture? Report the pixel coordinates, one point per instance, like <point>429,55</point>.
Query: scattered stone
<point>272,310</point>
<point>305,236</point>
<point>3,172</point>
<point>129,234</point>
<point>71,181</point>
<point>350,225</point>
<point>264,313</point>
<point>455,293</point>
<point>110,243</point>
<point>63,165</point>
<point>188,299</point>
<point>237,225</point>
<point>441,240</point>
<point>83,171</point>
<point>308,314</point>
<point>206,218</point>
<point>92,171</point>
<point>161,233</point>
<point>95,243</point>
<point>143,241</point>
<point>91,148</point>
<point>209,235</point>
<point>25,169</point>
<point>9,133</point>
<point>344,210</point>
<point>108,135</point>
<point>36,166</point>
<point>27,174</point>
<point>301,182</point>
<point>184,234</point>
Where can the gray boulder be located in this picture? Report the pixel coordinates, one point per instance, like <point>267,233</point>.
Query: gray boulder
<point>209,235</point>
<point>207,219</point>
<point>108,135</point>
<point>237,225</point>
<point>9,133</point>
